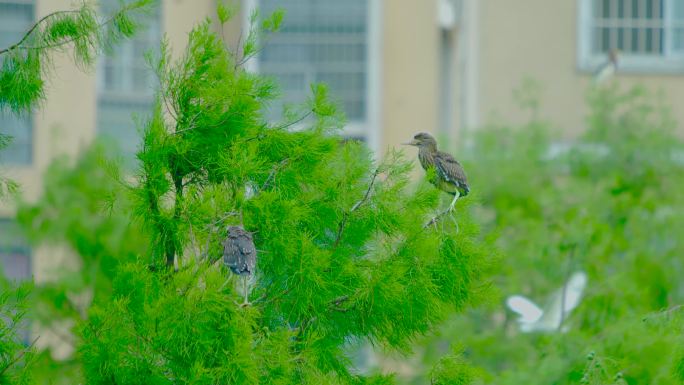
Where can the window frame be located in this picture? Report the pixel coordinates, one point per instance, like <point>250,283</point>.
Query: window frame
<point>668,62</point>
<point>368,129</point>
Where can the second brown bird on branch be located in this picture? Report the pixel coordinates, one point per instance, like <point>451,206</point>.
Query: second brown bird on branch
<point>240,255</point>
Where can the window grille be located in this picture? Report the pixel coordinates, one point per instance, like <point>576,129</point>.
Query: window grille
<point>320,41</point>
<point>649,34</point>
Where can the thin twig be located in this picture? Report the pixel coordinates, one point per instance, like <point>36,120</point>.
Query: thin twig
<point>33,28</point>
<point>436,218</point>
<point>169,108</point>
<point>18,357</point>
<point>223,218</point>
<point>356,206</point>
<point>571,255</point>
<point>61,43</point>
<point>245,59</point>
<point>665,312</point>
<point>192,237</point>
<point>277,297</point>
<point>336,304</point>
<point>292,123</point>
<point>273,172</point>
<point>237,50</point>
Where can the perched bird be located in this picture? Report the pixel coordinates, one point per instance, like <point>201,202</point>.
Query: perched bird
<point>239,254</point>
<point>450,176</point>
<point>606,70</point>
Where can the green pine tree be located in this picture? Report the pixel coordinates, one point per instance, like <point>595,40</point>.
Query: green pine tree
<point>343,255</point>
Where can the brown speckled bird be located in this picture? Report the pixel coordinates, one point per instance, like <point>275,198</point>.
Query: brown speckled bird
<point>239,254</point>
<point>450,176</point>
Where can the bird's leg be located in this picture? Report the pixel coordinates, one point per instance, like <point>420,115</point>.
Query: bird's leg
<point>246,292</point>
<point>453,202</point>
<point>455,222</point>
<point>230,276</point>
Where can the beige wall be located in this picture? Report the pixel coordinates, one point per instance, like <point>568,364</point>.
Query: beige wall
<point>409,70</point>
<point>538,39</point>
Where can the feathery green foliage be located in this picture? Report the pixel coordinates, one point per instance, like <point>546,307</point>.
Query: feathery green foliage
<point>342,252</point>
<point>453,370</point>
<point>81,31</point>
<point>15,357</point>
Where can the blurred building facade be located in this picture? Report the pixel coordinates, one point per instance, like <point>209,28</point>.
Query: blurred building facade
<point>397,67</point>
<point>560,43</point>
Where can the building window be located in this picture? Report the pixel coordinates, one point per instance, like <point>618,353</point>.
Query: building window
<point>15,254</point>
<point>16,17</point>
<point>649,34</point>
<point>322,41</point>
<point>15,262</point>
<point>126,84</point>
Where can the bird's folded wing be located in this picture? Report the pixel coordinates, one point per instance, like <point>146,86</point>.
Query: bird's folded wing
<point>449,169</point>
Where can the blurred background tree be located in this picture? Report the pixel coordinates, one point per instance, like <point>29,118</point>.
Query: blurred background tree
<point>607,204</point>
<point>24,67</point>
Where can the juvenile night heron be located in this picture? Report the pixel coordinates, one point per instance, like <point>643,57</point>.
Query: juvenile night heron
<point>239,254</point>
<point>608,69</point>
<point>449,174</point>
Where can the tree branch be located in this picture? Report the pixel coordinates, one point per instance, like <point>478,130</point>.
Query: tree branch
<point>274,170</point>
<point>32,29</point>
<point>436,218</point>
<point>356,206</point>
<point>336,304</point>
<point>18,357</point>
<point>292,123</point>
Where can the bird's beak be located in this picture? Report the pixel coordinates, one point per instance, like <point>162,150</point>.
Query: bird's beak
<point>411,143</point>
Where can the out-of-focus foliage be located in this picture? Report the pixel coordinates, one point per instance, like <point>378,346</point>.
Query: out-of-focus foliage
<point>83,220</point>
<point>609,203</point>
<point>7,186</point>
<point>451,369</point>
<point>77,214</point>
<point>16,355</point>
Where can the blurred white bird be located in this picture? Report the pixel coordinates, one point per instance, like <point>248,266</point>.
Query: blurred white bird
<point>608,69</point>
<point>534,319</point>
